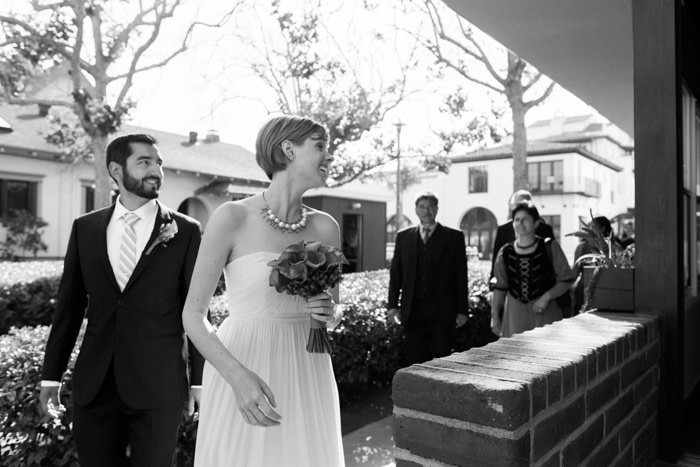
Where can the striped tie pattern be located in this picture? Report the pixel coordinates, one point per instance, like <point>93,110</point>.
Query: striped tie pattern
<point>127,253</point>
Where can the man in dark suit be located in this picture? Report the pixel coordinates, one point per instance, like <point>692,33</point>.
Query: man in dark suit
<point>429,274</point>
<point>127,269</point>
<point>505,232</point>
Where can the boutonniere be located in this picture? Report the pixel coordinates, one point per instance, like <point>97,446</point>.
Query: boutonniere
<point>166,233</point>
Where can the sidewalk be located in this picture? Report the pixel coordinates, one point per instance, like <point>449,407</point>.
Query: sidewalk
<point>371,445</point>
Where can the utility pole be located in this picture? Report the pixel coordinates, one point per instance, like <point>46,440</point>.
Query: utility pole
<point>399,213</point>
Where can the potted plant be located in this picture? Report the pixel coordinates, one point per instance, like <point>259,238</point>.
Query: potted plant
<point>608,269</point>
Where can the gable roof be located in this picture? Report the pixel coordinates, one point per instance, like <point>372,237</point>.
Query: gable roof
<point>534,148</point>
<point>218,159</point>
<point>215,159</point>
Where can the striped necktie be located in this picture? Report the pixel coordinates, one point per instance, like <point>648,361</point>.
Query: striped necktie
<point>127,253</point>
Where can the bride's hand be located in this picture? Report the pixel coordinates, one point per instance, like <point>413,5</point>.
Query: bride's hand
<point>255,399</point>
<point>321,307</point>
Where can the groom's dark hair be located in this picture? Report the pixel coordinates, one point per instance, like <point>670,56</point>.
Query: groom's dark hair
<point>119,148</point>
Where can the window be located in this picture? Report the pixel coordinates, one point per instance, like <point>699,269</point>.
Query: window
<point>88,198</point>
<point>555,223</point>
<point>592,187</point>
<point>478,180</point>
<point>546,177</point>
<point>479,227</point>
<point>17,194</point>
<point>391,229</point>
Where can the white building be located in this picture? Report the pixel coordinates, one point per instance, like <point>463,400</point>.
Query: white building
<point>200,174</point>
<point>575,165</point>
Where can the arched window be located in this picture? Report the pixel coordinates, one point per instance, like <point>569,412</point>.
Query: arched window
<point>391,227</point>
<point>479,227</point>
<point>195,208</point>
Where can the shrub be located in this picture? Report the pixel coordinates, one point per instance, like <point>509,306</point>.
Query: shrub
<point>28,303</point>
<point>367,352</point>
<point>23,234</point>
<point>477,331</point>
<point>27,271</point>
<point>367,349</point>
<point>26,438</point>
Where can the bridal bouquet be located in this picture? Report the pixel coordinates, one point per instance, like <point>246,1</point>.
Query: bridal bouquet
<point>307,269</point>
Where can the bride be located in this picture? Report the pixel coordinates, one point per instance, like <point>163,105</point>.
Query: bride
<point>266,401</point>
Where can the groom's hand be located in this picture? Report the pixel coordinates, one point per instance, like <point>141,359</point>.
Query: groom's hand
<point>193,402</point>
<point>49,405</point>
<point>461,320</point>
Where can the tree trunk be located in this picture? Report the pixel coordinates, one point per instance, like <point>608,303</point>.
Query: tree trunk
<point>103,183</point>
<point>514,93</point>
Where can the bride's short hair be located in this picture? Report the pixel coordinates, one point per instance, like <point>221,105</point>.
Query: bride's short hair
<point>268,145</point>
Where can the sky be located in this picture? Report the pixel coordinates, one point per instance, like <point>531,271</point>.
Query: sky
<point>238,120</point>
<point>199,91</point>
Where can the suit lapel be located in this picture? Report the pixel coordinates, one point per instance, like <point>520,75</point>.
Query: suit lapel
<point>438,237</point>
<point>102,221</point>
<point>162,217</point>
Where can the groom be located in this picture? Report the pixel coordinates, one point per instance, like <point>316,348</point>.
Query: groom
<point>127,270</point>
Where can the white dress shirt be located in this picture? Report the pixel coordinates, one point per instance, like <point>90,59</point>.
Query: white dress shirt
<point>143,227</point>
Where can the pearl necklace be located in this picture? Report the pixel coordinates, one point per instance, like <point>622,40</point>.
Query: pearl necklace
<point>279,224</point>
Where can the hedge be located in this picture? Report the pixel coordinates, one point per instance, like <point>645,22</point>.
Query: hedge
<point>25,438</point>
<point>367,352</point>
<point>28,303</point>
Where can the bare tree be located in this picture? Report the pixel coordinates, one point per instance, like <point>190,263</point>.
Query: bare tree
<point>455,47</point>
<point>106,44</point>
<point>313,73</point>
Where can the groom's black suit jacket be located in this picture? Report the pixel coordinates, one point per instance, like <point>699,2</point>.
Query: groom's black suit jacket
<point>450,267</point>
<point>140,329</point>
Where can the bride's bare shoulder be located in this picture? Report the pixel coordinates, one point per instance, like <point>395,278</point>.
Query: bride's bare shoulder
<point>325,225</point>
<point>233,214</point>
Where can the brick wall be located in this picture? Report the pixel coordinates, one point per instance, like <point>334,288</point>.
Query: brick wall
<point>582,391</point>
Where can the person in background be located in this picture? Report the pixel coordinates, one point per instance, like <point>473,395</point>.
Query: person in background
<point>530,273</point>
<point>505,232</point>
<point>626,238</point>
<point>429,272</point>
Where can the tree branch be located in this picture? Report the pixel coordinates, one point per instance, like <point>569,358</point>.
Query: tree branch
<point>539,100</point>
<point>163,14</point>
<point>50,6</point>
<point>535,79</point>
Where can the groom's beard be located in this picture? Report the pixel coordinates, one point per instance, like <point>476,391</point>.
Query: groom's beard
<point>141,188</point>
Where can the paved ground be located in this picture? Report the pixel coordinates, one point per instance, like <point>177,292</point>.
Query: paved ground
<point>370,446</point>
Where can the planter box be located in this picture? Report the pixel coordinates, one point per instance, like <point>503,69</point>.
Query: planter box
<point>614,289</point>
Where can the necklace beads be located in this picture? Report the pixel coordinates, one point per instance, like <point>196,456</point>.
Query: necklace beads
<point>279,224</point>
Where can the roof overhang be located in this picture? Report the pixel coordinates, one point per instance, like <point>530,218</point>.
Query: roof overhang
<point>585,46</point>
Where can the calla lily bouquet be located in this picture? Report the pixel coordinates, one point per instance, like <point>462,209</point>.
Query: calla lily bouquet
<point>307,269</point>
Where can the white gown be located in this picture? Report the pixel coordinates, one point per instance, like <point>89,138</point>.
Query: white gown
<point>267,332</point>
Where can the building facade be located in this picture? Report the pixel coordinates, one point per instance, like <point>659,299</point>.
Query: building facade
<point>576,165</point>
<point>200,174</point>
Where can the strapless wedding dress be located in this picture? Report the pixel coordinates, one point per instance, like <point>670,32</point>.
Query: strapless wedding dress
<point>267,332</point>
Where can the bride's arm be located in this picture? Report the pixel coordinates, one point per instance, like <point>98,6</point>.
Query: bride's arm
<point>326,306</point>
<point>254,398</point>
